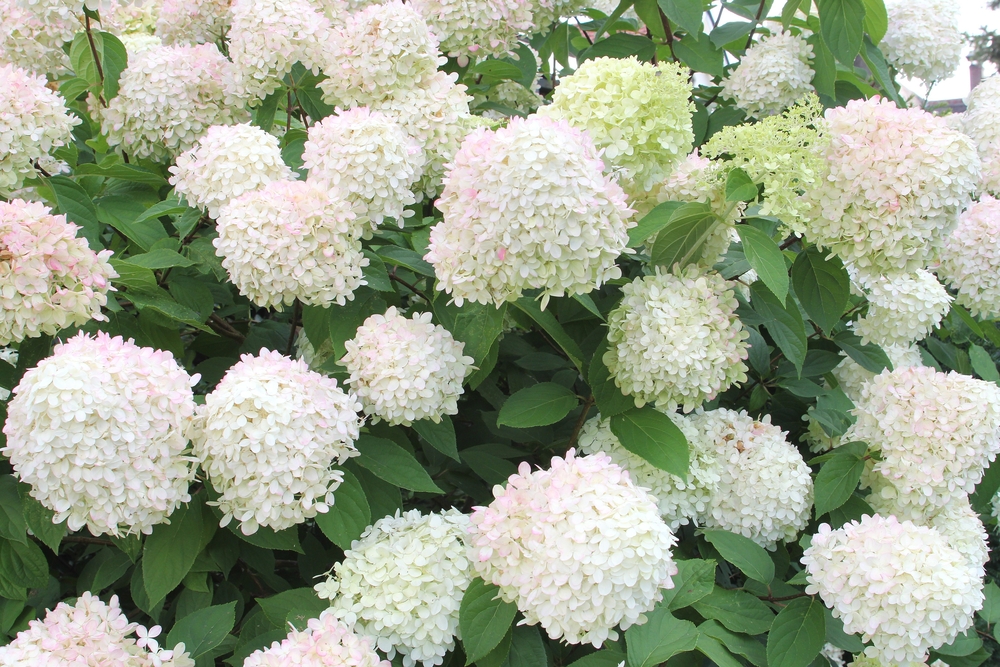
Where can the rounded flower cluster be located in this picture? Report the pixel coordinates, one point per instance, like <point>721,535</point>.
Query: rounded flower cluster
<point>267,37</point>
<point>923,39</point>
<point>476,27</point>
<point>680,501</point>
<point>33,121</point>
<point>639,115</point>
<point>291,240</point>
<point>402,584</point>
<point>527,206</point>
<point>765,491</point>
<point>89,632</point>
<point>773,74</point>
<point>228,161</point>
<point>970,258</point>
<point>675,339</point>
<point>326,642</point>
<point>404,370</point>
<point>378,51</point>
<point>33,41</point>
<point>98,431</point>
<point>547,12</point>
<point>903,309</point>
<point>268,435</point>
<point>510,95</point>
<point>169,97</point>
<point>369,159</point>
<point>579,548</point>
<point>979,120</point>
<point>898,585</point>
<point>935,432</point>
<point>895,182</point>
<point>49,278</point>
<point>192,21</point>
<point>851,375</point>
<point>136,42</point>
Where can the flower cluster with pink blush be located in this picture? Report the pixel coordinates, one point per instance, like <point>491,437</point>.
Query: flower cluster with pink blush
<point>326,642</point>
<point>970,258</point>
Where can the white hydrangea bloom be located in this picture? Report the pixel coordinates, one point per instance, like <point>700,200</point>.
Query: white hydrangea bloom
<point>851,375</point>
<point>970,258</point>
<point>979,120</point>
<point>137,42</point>
<point>169,97</point>
<point>369,159</point>
<point>49,278</point>
<point>509,94</point>
<point>935,432</point>
<point>406,369</point>
<point>547,12</point>
<point>7,355</point>
<point>401,584</point>
<point>766,491</point>
<point>228,161</point>
<point>131,18</point>
<point>33,121</point>
<point>675,340</point>
<point>326,642</point>
<point>773,74</point>
<point>476,27</point>
<point>33,41</point>
<point>267,37</point>
<point>639,115</point>
<point>895,182</point>
<point>527,206</point>
<point>378,51</point>
<point>903,309</point>
<point>923,39</point>
<point>88,632</point>
<point>267,437</point>
<point>193,21</point>
<point>990,174</point>
<point>680,501</point>
<point>896,584</point>
<point>597,538</point>
<point>291,240</point>
<point>98,431</point>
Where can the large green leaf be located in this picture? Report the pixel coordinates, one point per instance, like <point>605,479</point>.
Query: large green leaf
<point>841,24</point>
<point>876,19</point>
<point>869,356</point>
<point>538,405</point>
<point>73,200</point>
<point>783,323</point>
<point>475,324</point>
<point>682,240</point>
<point>688,14</point>
<point>203,630</point>
<point>742,552</point>
<point>736,610</point>
<point>388,461</point>
<point>797,634</point>
<point>694,580</point>
<point>839,477</point>
<point>822,285</point>
<point>659,638</point>
<point>483,618</point>
<point>170,551</point>
<point>440,435</point>
<point>649,433</point>
<point>547,321</point>
<point>350,514</point>
<point>609,398</point>
<point>766,259</point>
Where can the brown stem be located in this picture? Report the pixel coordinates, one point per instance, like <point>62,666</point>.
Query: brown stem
<point>670,35</point>
<point>753,28</point>
<point>41,170</point>
<point>585,32</point>
<point>288,108</point>
<point>296,317</point>
<point>788,242</point>
<point>587,404</point>
<point>83,539</point>
<point>97,59</point>
<point>412,288</point>
<point>223,328</point>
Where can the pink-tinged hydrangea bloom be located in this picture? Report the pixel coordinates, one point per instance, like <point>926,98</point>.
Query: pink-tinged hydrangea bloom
<point>979,120</point>
<point>579,548</point>
<point>527,206</point>
<point>894,184</point>
<point>369,159</point>
<point>766,490</point>
<point>476,27</point>
<point>990,182</point>
<point>268,435</point>
<point>379,51</point>
<point>898,585</point>
<point>680,501</point>
<point>903,309</point>
<point>267,37</point>
<point>169,97</point>
<point>292,240</point>
<point>193,21</point>
<point>89,633</point>
<point>935,432</point>
<point>406,369</point>
<point>675,340</point>
<point>98,431</point>
<point>33,121</point>
<point>227,162</point>
<point>773,74</point>
<point>326,642</point>
<point>401,584</point>
<point>923,39</point>
<point>970,259</point>
<point>49,278</point>
<point>851,375</point>
<point>33,40</point>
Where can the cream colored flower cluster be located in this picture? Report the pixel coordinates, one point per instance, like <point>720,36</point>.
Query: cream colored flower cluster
<point>596,538</point>
<point>476,27</point>
<point>527,206</point>
<point>406,369</point>
<point>903,309</point>
<point>923,39</point>
<point>979,119</point>
<point>773,74</point>
<point>402,582</point>
<point>267,437</point>
<point>970,258</point>
<point>32,40</point>
<point>326,642</point>
<point>98,432</point>
<point>851,376</point>
<point>193,21</point>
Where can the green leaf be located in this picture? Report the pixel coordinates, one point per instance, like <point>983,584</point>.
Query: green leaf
<point>475,324</point>
<point>784,324</point>
<point>350,514</point>
<point>526,647</point>
<point>682,241</point>
<point>606,657</point>
<point>24,564</point>
<point>12,523</point>
<point>965,644</point>
<point>609,398</point>
<point>266,538</point>
<point>160,301</point>
<point>822,286</point>
<point>700,54</point>
<point>124,172</point>
<point>483,618</point>
<point>694,580</point>
<point>766,259</point>
<point>75,202</point>
<point>825,67</point>
<point>967,319</point>
<point>798,634</point>
<point>652,223</point>
<point>841,24</point>
<point>553,328</point>
<point>739,186</point>
<point>649,433</point>
<point>104,569</point>
<point>498,69</point>
<point>170,551</point>
<point>736,610</point>
<point>876,19</point>
<point>390,462</point>
<point>39,520</point>
<point>203,630</point>
<point>730,32</point>
<point>621,45</point>
<point>990,612</point>
<point>875,60</point>
<point>685,13</point>
<point>278,607</point>
<point>788,12</point>
<point>869,356</point>
<point>839,477</point>
<point>114,59</point>
<point>744,553</point>
<point>659,638</point>
<point>749,648</point>
<point>538,405</point>
<point>715,651</point>
<point>440,435</point>
<point>160,258</point>
<point>406,258</point>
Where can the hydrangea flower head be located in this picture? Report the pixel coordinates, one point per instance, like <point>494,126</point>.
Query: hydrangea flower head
<point>851,376</point>
<point>193,21</point>
<point>923,39</point>
<point>970,258</point>
<point>33,40</point>
<point>903,309</point>
<point>326,642</point>
<point>476,27</point>
<point>773,74</point>
<point>979,119</point>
